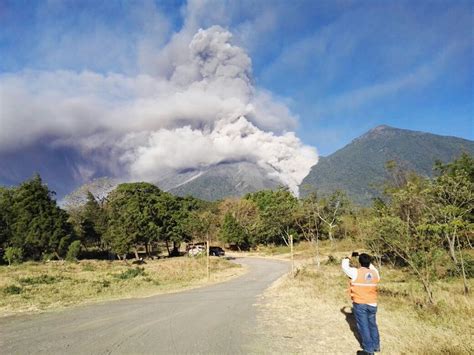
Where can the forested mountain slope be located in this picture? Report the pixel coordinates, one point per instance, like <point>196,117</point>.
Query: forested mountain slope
<point>359,167</point>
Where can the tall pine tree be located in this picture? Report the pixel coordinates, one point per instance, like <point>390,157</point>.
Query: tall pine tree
<point>39,226</point>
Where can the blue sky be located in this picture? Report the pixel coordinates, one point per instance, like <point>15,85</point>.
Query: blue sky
<point>342,67</point>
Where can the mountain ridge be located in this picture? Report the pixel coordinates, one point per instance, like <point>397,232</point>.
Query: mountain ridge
<point>359,167</point>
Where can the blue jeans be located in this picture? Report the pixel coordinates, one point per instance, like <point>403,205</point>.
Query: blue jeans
<point>367,326</point>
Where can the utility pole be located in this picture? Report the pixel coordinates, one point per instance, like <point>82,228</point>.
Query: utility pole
<point>208,259</point>
<point>292,257</point>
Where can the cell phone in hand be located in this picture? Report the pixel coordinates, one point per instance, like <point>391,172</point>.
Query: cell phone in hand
<point>354,254</point>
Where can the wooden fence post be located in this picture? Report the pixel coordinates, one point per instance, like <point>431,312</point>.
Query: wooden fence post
<point>292,257</point>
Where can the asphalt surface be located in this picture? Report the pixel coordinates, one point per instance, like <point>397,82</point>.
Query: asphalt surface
<point>218,319</point>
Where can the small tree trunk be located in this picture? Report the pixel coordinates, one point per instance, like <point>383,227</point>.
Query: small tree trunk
<point>136,253</point>
<point>318,256</point>
<point>428,291</point>
<point>168,247</point>
<point>452,250</point>
<point>331,237</point>
<point>378,257</point>
<point>463,271</point>
<point>317,260</point>
<point>57,255</point>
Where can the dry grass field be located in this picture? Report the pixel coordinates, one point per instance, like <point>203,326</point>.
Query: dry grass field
<point>311,313</point>
<point>31,287</point>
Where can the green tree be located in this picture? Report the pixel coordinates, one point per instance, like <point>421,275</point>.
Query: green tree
<point>451,208</point>
<point>276,211</point>
<point>309,223</point>
<point>201,224</point>
<point>39,226</point>
<point>94,221</point>
<point>465,164</point>
<point>233,233</point>
<point>401,228</point>
<point>5,216</point>
<point>247,218</point>
<point>134,217</point>
<point>175,211</point>
<point>330,211</point>
<point>13,255</point>
<point>73,251</point>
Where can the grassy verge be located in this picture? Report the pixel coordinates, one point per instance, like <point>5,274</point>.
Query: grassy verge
<point>311,313</point>
<point>31,287</point>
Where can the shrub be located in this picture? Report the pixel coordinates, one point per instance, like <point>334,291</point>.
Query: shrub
<point>332,260</point>
<point>13,255</point>
<point>12,290</point>
<point>49,256</point>
<point>468,268</point>
<point>131,273</point>
<point>73,251</point>
<point>38,280</point>
<point>102,283</point>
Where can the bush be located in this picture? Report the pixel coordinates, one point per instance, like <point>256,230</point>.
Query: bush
<point>12,290</point>
<point>332,260</point>
<point>49,256</point>
<point>102,284</point>
<point>73,251</point>
<point>468,268</point>
<point>131,273</point>
<point>38,280</point>
<point>13,255</point>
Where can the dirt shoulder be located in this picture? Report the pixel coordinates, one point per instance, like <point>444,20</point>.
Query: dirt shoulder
<point>311,314</point>
<point>297,320</point>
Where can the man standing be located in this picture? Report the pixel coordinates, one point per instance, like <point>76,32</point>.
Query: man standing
<point>363,290</point>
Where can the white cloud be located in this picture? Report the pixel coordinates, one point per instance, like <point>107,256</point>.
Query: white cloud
<point>421,76</point>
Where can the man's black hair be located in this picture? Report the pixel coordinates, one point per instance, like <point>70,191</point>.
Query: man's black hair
<point>364,260</point>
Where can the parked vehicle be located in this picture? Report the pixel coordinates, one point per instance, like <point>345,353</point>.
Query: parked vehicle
<point>196,250</point>
<point>216,251</point>
<point>200,248</point>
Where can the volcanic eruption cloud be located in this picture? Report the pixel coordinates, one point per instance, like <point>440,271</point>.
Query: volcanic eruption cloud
<point>201,110</point>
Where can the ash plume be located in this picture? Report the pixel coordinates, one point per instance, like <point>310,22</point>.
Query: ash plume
<point>200,109</point>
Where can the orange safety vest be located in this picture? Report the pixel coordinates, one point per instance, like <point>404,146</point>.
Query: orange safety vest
<point>364,289</point>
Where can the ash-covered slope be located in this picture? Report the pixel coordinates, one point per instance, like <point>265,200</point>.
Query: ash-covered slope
<point>359,167</point>
<point>224,180</point>
<point>100,188</point>
<point>214,183</point>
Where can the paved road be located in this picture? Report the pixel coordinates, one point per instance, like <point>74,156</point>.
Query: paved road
<point>218,319</point>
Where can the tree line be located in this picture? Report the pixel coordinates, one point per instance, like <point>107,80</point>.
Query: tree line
<point>140,215</point>
<point>423,224</point>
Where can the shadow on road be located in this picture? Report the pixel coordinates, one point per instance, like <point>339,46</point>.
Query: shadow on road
<point>350,319</point>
